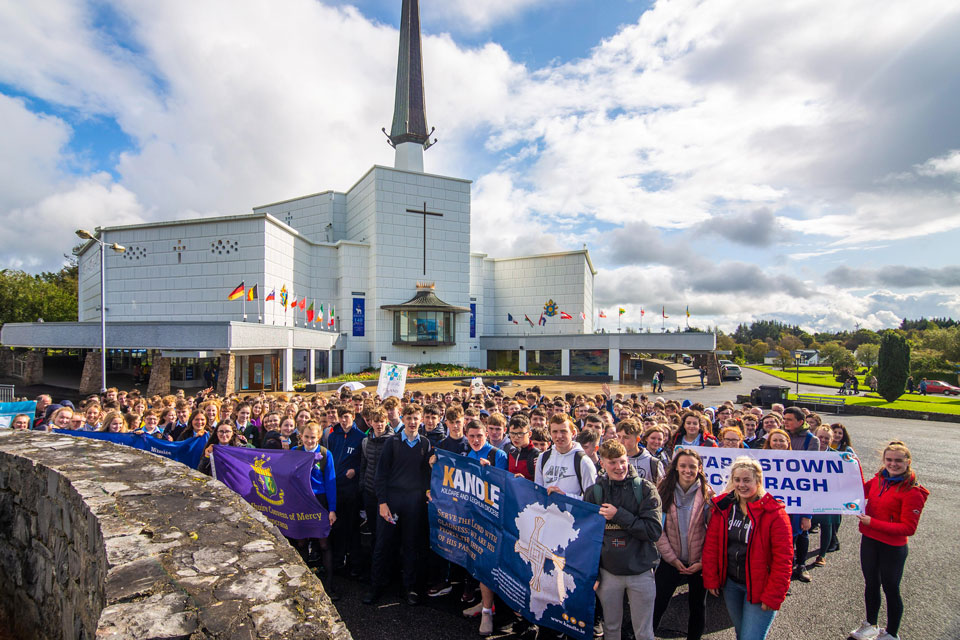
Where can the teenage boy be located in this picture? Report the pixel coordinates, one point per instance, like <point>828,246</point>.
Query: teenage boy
<point>631,508</point>
<point>496,430</point>
<point>481,450</point>
<point>371,449</point>
<point>540,438</point>
<point>455,441</point>
<point>392,406</point>
<point>403,488</point>
<point>565,468</point>
<point>345,443</point>
<point>589,440</point>
<point>521,455</point>
<point>648,467</point>
<point>432,426</point>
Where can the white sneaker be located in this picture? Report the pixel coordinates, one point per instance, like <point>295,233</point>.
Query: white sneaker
<point>474,611</point>
<point>486,623</point>
<point>866,631</point>
<point>886,636</point>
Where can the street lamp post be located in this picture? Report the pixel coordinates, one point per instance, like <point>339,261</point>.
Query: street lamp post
<point>86,235</point>
<point>796,358</point>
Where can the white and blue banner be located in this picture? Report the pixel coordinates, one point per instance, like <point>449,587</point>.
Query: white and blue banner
<point>393,379</point>
<point>186,452</point>
<point>8,410</point>
<point>539,553</point>
<point>807,482</point>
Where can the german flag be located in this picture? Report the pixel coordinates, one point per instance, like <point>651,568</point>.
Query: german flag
<point>252,293</point>
<point>237,293</point>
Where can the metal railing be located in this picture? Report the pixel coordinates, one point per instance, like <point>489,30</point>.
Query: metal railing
<point>6,393</point>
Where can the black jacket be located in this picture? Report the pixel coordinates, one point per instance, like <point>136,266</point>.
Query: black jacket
<point>372,447</point>
<point>629,539</point>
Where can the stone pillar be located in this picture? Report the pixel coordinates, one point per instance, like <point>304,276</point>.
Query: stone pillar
<point>32,367</point>
<point>330,363</point>
<point>287,369</point>
<point>523,360</point>
<point>312,366</point>
<point>613,364</point>
<point>227,378</point>
<point>159,384</point>
<point>710,361</point>
<point>90,379</point>
<point>564,362</point>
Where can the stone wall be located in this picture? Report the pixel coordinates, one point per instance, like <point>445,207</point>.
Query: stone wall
<point>103,541</point>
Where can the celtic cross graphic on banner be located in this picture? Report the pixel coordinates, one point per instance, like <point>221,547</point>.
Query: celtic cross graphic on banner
<point>393,379</point>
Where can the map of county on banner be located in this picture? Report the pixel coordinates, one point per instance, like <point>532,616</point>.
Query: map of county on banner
<point>807,482</point>
<point>277,484</point>
<point>393,379</point>
<point>539,553</point>
<point>8,410</point>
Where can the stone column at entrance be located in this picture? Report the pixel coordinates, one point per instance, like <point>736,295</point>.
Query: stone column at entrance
<point>613,364</point>
<point>287,369</point>
<point>312,366</point>
<point>159,377</point>
<point>90,379</point>
<point>33,368</point>
<point>564,362</point>
<point>227,378</point>
<point>523,360</point>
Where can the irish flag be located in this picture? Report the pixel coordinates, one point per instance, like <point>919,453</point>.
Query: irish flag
<point>237,293</point>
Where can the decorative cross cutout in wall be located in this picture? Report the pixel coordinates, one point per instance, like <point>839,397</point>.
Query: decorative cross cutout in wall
<point>180,248</point>
<point>424,213</point>
<point>288,218</point>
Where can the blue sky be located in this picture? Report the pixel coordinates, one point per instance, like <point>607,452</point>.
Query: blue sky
<point>749,159</point>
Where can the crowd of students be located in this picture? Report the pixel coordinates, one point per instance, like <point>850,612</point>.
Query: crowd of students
<point>626,454</point>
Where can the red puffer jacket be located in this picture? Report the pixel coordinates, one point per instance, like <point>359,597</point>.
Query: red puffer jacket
<point>894,512</point>
<point>769,549</point>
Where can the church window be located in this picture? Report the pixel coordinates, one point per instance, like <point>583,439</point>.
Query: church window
<point>134,253</point>
<point>224,246</point>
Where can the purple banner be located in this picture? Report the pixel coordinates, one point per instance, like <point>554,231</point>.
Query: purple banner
<point>277,484</point>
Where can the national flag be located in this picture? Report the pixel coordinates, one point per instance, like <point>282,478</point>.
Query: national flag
<point>527,318</point>
<point>253,292</point>
<point>333,311</point>
<point>283,296</point>
<point>271,296</point>
<point>303,304</point>
<point>320,315</point>
<point>642,312</point>
<point>543,321</point>
<point>293,305</point>
<point>310,313</point>
<point>621,311</point>
<point>603,315</point>
<point>688,311</point>
<point>565,316</point>
<point>510,319</point>
<point>237,293</point>
<point>663,312</point>
<point>583,316</point>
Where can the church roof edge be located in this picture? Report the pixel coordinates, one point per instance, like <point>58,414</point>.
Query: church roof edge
<point>584,252</point>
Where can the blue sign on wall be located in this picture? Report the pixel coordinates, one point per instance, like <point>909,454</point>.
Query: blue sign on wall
<point>359,315</point>
<point>473,319</point>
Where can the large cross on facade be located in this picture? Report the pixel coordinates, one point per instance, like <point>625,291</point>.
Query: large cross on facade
<point>424,213</point>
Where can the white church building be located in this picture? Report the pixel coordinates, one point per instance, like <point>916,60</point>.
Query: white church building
<point>388,259</point>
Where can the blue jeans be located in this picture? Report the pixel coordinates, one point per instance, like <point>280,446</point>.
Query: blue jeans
<point>750,621</point>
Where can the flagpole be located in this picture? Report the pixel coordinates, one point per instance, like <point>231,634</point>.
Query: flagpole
<point>259,306</point>
<point>243,306</point>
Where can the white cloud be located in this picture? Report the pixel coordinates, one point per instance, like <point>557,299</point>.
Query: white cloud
<point>947,164</point>
<point>31,153</point>
<point>477,15</point>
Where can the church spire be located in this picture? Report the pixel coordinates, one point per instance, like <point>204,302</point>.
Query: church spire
<point>408,134</point>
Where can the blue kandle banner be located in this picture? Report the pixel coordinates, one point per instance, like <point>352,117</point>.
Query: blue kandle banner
<point>473,319</point>
<point>539,553</point>
<point>10,409</point>
<point>277,484</point>
<point>187,452</point>
<point>359,316</point>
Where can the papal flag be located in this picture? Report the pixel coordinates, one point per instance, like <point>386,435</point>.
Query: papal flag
<point>283,296</point>
<point>237,293</point>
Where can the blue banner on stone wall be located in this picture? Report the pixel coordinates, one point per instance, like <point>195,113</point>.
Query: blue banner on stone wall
<point>9,410</point>
<point>473,319</point>
<point>359,316</point>
<point>539,553</point>
<point>186,452</point>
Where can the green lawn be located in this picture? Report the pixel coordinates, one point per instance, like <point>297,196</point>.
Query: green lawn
<point>907,402</point>
<point>822,376</point>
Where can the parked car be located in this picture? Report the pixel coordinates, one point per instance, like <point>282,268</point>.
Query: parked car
<point>724,362</point>
<point>939,386</point>
<point>732,372</point>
